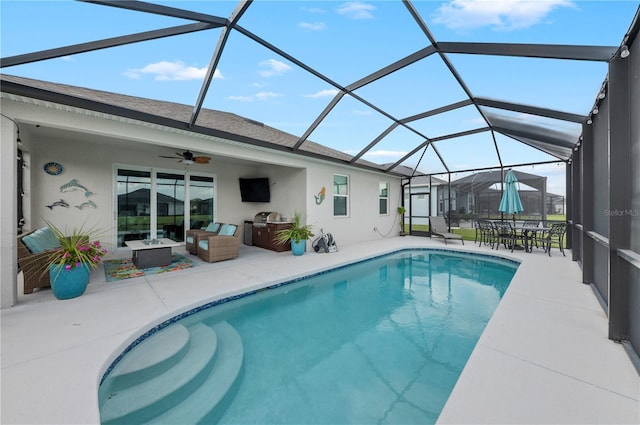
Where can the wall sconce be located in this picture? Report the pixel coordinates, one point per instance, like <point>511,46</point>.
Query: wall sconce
<point>595,110</point>
<point>624,51</point>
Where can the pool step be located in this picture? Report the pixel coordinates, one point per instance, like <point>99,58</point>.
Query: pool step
<point>159,352</point>
<point>201,405</point>
<point>144,390</point>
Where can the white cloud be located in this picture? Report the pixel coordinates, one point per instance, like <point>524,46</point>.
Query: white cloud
<point>241,98</point>
<point>322,93</point>
<point>265,95</point>
<point>315,26</point>
<point>273,68</point>
<point>356,10</point>
<point>68,58</point>
<point>385,154</point>
<point>171,71</point>
<point>501,15</point>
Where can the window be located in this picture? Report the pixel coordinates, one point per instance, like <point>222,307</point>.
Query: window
<point>340,195</point>
<point>383,196</point>
<point>153,204</point>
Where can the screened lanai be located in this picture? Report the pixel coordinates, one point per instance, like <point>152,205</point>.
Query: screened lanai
<point>444,89</point>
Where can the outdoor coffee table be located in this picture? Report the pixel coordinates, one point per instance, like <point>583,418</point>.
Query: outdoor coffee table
<point>151,252</point>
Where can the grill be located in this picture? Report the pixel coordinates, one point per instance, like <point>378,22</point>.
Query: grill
<point>262,218</point>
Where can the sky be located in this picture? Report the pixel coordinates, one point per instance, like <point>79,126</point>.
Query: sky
<point>344,41</point>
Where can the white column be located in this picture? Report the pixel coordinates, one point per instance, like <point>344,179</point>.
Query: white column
<point>8,214</point>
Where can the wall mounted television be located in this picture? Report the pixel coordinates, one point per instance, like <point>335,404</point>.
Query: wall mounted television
<point>255,190</point>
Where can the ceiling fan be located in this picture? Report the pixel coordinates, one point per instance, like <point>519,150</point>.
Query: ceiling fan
<point>188,158</point>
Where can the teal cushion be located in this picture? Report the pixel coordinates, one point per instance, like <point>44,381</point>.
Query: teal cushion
<point>189,239</point>
<point>41,240</point>
<point>204,244</point>
<point>228,230</point>
<point>213,227</point>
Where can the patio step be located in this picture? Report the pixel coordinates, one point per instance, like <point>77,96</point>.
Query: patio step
<point>188,392</point>
<point>141,402</point>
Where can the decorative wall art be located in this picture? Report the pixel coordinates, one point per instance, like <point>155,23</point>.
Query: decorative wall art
<point>53,168</point>
<point>320,196</point>
<point>60,203</point>
<point>74,185</point>
<point>88,204</point>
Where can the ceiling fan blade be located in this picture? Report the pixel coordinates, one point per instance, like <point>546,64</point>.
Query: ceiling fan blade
<point>201,159</point>
<point>165,156</point>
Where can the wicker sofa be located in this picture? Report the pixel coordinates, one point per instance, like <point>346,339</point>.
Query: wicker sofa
<point>34,264</point>
<point>221,246</point>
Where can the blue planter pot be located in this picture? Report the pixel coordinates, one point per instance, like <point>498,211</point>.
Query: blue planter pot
<point>297,248</point>
<point>67,284</point>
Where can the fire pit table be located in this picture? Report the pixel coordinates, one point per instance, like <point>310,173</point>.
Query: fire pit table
<point>151,252</point>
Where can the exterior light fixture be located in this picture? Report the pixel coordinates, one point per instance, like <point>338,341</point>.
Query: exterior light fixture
<point>624,51</point>
<point>589,121</point>
<point>602,95</point>
<point>595,110</point>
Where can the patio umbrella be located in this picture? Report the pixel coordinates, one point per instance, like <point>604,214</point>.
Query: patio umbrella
<point>510,203</point>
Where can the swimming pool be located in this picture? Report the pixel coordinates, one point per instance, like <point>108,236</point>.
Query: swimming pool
<point>380,341</point>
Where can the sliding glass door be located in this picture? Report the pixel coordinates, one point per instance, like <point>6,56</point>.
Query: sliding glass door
<point>151,203</point>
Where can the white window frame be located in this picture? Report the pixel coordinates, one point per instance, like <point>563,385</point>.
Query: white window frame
<point>385,198</point>
<point>346,196</point>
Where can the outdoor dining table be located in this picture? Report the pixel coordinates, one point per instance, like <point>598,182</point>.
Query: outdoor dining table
<point>527,234</point>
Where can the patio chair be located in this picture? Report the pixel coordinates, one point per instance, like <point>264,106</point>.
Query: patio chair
<point>191,240</point>
<point>34,250</point>
<point>505,234</point>
<point>221,246</point>
<point>486,233</point>
<point>555,235</point>
<point>438,228</point>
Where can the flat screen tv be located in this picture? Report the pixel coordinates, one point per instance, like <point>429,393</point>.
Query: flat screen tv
<point>255,190</point>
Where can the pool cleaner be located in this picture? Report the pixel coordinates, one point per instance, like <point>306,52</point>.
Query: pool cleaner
<point>324,243</point>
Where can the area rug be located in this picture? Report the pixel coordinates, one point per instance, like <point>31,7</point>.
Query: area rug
<point>124,269</point>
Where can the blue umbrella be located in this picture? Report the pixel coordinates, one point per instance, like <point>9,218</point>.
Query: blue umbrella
<point>510,203</point>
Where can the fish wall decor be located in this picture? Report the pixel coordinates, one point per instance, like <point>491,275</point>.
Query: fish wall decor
<point>60,203</point>
<point>74,185</point>
<point>88,204</point>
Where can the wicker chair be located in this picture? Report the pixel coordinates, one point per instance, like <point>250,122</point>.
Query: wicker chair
<point>191,240</point>
<point>219,247</point>
<point>34,266</point>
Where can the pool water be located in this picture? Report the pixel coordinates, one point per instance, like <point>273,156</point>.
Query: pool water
<point>380,341</point>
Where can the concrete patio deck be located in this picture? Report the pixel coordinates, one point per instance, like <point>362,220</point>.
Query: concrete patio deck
<point>543,358</point>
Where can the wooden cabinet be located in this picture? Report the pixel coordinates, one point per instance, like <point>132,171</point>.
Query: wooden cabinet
<point>264,237</point>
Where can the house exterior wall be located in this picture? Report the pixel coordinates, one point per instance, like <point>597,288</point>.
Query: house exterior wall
<point>90,148</point>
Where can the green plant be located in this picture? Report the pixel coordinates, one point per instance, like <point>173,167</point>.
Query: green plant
<point>77,248</point>
<point>401,211</point>
<point>296,233</point>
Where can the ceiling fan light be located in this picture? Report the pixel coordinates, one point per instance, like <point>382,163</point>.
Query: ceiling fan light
<point>187,161</point>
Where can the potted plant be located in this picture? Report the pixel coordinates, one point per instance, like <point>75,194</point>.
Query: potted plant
<point>297,234</point>
<point>401,211</point>
<point>70,264</point>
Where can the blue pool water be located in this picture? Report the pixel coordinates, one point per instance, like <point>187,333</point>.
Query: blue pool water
<point>380,341</point>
